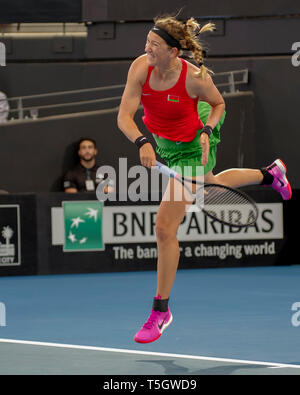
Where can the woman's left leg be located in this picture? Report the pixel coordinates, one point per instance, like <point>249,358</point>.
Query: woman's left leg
<point>171,212</point>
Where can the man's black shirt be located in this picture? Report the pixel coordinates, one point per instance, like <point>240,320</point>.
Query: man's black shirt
<point>77,177</point>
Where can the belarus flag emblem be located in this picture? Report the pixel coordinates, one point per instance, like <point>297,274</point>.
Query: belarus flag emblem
<point>173,98</point>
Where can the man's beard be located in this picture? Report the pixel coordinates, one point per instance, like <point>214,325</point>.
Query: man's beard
<point>87,159</point>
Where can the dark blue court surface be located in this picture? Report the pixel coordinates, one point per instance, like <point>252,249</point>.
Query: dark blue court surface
<point>226,321</point>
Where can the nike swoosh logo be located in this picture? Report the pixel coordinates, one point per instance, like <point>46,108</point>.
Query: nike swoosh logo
<point>178,142</point>
<point>161,324</point>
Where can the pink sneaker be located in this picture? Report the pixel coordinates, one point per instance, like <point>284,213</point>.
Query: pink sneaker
<point>281,184</point>
<point>154,327</point>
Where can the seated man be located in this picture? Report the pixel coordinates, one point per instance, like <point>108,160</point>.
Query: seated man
<point>82,178</point>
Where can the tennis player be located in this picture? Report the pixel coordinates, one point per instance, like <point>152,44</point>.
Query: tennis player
<point>173,93</point>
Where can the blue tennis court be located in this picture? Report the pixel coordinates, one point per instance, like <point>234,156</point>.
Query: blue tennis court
<point>226,321</point>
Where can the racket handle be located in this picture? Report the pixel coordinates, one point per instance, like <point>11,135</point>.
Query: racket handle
<point>165,170</point>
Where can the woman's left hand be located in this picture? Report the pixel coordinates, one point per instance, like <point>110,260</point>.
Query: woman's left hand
<point>204,141</point>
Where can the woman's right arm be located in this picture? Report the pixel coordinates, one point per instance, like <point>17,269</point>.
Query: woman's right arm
<point>129,105</point>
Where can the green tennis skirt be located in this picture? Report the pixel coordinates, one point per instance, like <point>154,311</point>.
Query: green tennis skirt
<point>185,157</point>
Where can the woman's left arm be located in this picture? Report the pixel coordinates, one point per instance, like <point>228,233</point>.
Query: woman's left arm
<point>208,92</point>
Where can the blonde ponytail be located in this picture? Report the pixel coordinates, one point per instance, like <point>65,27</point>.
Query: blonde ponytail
<point>195,46</point>
<point>186,33</point>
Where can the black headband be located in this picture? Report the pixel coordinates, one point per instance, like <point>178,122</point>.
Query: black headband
<point>171,41</point>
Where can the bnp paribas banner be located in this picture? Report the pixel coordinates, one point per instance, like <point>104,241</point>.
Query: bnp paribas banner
<point>82,222</point>
<point>80,226</point>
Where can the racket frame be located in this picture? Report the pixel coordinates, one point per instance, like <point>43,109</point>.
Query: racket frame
<point>183,180</point>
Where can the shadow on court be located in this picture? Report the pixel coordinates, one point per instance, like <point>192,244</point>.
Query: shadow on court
<point>78,324</point>
<point>33,359</point>
<point>174,368</point>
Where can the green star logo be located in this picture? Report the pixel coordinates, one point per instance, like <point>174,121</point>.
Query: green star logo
<point>83,226</point>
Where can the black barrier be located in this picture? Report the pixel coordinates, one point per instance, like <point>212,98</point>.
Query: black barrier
<point>63,233</point>
<point>18,235</point>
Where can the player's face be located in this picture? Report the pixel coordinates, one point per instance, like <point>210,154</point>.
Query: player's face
<point>87,150</point>
<point>157,49</point>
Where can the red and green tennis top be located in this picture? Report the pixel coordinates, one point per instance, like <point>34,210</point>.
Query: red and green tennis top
<point>171,113</point>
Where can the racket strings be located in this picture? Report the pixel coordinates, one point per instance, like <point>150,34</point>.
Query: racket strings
<point>226,205</point>
<point>221,195</point>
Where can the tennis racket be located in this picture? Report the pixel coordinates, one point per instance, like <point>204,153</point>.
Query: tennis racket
<point>224,204</point>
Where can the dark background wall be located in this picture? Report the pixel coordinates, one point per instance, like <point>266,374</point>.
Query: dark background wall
<point>112,10</point>
<point>44,149</point>
<point>254,35</point>
<point>275,114</point>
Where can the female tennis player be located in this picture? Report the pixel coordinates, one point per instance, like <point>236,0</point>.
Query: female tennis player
<point>173,93</point>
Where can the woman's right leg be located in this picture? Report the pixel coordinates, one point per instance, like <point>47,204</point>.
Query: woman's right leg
<point>235,178</point>
<point>273,175</point>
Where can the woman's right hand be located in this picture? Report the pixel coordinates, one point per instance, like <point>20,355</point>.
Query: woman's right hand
<point>147,155</point>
